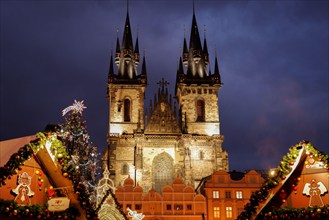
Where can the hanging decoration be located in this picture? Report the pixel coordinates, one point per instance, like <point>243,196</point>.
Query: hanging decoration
<point>314,190</point>
<point>23,190</point>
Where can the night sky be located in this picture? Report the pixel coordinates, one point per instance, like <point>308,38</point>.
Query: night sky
<point>273,59</point>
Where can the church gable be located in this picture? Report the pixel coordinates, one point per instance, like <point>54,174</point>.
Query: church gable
<point>163,119</point>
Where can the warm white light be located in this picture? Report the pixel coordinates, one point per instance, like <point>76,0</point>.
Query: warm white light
<point>272,172</point>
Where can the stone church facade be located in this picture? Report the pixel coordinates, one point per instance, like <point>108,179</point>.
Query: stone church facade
<point>167,138</point>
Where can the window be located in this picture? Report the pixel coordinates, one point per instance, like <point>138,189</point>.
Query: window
<point>128,206</point>
<point>126,110</point>
<point>216,212</point>
<point>189,207</point>
<point>178,207</point>
<point>138,206</point>
<point>200,110</point>
<point>125,169</point>
<point>227,194</point>
<point>239,194</point>
<point>162,167</point>
<point>215,194</point>
<point>168,207</point>
<point>229,212</point>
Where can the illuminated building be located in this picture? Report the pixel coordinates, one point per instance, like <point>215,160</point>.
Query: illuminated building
<point>228,192</point>
<point>166,139</point>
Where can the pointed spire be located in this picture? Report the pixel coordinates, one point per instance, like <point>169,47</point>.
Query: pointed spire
<point>216,71</point>
<point>180,67</point>
<point>136,52</point>
<point>195,42</point>
<point>110,77</point>
<point>205,48</point>
<point>127,42</point>
<point>144,73</point>
<point>216,76</point>
<point>117,50</point>
<point>127,59</point>
<point>195,62</point>
<point>185,50</point>
<point>144,66</point>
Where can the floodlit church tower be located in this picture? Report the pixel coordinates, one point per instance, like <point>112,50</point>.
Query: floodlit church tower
<point>197,96</point>
<point>126,91</point>
<point>165,139</point>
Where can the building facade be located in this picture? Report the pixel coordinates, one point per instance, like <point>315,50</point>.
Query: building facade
<point>167,138</point>
<point>178,201</point>
<point>228,192</point>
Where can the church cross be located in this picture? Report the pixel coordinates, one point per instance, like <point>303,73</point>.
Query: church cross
<point>163,83</point>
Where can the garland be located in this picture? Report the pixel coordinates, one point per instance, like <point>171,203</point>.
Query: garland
<point>12,209</point>
<point>14,164</point>
<point>17,159</point>
<point>280,175</point>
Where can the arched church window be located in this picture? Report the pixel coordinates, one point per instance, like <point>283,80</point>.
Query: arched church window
<point>127,110</point>
<point>163,169</point>
<point>200,110</point>
<point>125,169</point>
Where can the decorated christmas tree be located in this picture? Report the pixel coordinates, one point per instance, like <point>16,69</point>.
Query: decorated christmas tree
<point>82,153</point>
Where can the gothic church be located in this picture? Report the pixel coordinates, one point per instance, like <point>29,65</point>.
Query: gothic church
<point>154,143</point>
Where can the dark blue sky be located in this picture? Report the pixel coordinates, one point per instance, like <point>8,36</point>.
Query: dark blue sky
<point>273,59</point>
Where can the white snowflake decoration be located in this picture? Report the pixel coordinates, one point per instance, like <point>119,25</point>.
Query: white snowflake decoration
<point>77,106</point>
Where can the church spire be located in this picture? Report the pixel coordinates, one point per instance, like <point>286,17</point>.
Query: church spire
<point>117,50</point>
<point>205,48</point>
<point>110,77</point>
<point>144,73</point>
<point>185,50</point>
<point>136,52</point>
<point>127,42</point>
<point>196,60</point>
<point>216,76</point>
<point>195,42</point>
<point>127,56</point>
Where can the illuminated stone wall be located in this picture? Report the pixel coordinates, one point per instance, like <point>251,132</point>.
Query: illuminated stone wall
<point>116,113</point>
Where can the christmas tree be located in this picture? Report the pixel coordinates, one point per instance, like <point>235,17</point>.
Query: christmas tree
<point>83,155</point>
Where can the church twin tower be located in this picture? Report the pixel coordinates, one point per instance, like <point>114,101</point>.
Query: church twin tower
<point>156,144</point>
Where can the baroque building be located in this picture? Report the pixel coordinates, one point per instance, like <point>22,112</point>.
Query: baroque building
<point>155,142</point>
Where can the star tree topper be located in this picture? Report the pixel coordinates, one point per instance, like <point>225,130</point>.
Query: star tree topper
<point>77,106</point>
